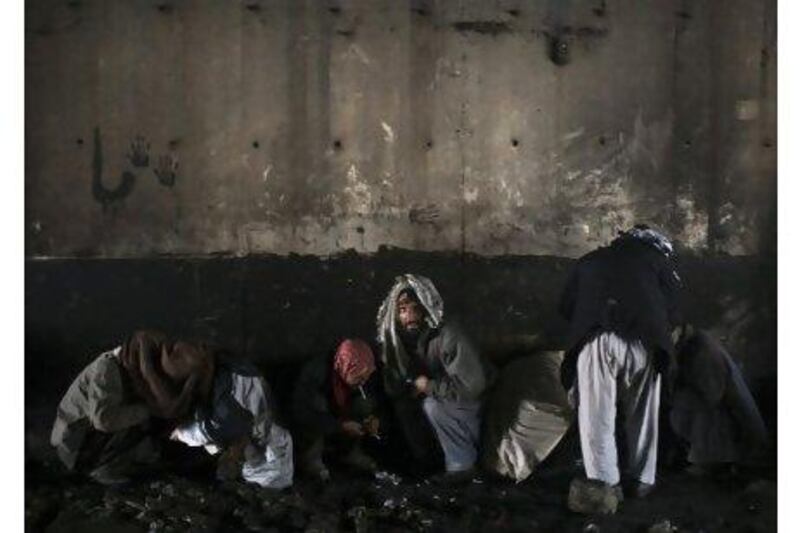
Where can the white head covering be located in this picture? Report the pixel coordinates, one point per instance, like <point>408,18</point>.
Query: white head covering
<point>393,352</point>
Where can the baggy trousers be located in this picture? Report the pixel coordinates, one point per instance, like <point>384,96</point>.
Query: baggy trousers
<point>457,426</point>
<point>613,372</point>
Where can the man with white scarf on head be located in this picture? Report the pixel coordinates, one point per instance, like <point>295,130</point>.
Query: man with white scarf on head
<point>432,365</point>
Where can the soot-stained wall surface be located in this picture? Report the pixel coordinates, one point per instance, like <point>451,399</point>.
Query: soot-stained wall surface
<point>257,171</point>
<point>313,127</point>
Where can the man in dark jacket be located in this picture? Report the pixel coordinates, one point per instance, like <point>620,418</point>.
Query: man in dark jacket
<point>712,408</point>
<point>334,403</point>
<point>433,365</point>
<point>621,302</point>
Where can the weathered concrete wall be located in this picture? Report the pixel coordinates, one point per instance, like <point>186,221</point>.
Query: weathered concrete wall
<point>313,127</point>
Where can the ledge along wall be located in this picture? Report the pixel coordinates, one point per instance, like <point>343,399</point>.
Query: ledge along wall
<point>257,172</point>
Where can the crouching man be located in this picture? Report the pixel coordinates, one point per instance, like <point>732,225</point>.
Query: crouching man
<point>236,420</point>
<point>107,423</point>
<point>621,303</point>
<point>432,366</point>
<point>334,406</point>
<point>713,410</point>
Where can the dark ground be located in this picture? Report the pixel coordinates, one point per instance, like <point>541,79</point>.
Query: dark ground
<point>55,502</point>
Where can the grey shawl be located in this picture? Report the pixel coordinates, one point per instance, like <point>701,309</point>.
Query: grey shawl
<point>393,355</point>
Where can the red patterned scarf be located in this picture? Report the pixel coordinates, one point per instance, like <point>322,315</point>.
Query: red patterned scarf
<point>353,357</point>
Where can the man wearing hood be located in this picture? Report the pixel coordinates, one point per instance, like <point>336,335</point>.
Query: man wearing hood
<point>334,404</point>
<point>107,423</point>
<point>431,365</point>
<point>621,303</point>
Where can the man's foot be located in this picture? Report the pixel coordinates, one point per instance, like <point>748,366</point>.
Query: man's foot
<point>639,489</point>
<point>589,496</point>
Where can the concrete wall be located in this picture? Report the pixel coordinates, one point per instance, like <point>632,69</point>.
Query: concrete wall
<point>313,127</point>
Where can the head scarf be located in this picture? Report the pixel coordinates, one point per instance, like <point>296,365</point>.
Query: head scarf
<point>353,357</point>
<point>651,237</point>
<point>393,354</point>
<point>162,379</point>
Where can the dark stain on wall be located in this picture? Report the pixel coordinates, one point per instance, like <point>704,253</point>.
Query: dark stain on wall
<point>101,193</point>
<point>484,27</point>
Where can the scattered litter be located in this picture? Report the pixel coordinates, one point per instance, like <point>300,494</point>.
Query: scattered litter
<point>383,475</point>
<point>665,526</point>
<point>392,503</point>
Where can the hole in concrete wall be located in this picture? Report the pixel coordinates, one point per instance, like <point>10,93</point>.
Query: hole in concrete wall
<point>253,7</point>
<point>337,144</point>
<point>74,4</point>
<point>173,143</point>
<point>334,10</point>
<point>360,229</point>
<point>391,29</point>
<point>559,49</point>
<point>428,144</point>
<point>255,144</point>
<point>346,33</point>
<point>767,142</point>
<point>421,11</point>
<point>687,144</point>
<point>79,141</point>
<point>685,15</point>
<point>514,142</point>
<point>602,141</point>
<point>165,8</point>
<point>513,12</point>
<point>600,10</point>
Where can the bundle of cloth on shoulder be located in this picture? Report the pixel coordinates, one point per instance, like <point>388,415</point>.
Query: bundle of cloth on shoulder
<point>432,394</point>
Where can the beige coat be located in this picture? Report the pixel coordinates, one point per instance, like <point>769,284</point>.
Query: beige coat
<point>97,399</point>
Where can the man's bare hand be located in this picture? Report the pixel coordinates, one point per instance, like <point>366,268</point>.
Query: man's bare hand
<point>371,425</point>
<point>352,428</point>
<point>421,385</point>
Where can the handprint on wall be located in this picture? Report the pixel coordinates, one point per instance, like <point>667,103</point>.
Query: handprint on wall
<point>425,214</point>
<point>139,154</point>
<point>167,170</point>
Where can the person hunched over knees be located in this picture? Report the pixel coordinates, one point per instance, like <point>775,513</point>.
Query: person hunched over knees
<point>108,423</point>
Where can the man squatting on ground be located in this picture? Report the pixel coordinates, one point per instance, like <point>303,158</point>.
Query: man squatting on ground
<point>236,420</point>
<point>334,405</point>
<point>712,408</point>
<point>107,423</point>
<point>621,302</point>
<point>430,363</point>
